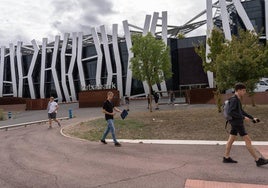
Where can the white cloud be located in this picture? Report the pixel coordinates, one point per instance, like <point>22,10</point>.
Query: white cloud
<point>35,19</point>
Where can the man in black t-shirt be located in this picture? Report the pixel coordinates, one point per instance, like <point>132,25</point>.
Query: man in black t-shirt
<point>237,126</point>
<point>108,109</point>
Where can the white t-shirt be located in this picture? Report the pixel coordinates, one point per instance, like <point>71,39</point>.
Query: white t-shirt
<point>52,107</point>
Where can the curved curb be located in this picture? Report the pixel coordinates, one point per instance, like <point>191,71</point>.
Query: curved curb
<point>76,138</point>
<point>158,141</point>
<point>187,142</point>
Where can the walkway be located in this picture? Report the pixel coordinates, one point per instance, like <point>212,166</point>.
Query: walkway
<point>36,156</point>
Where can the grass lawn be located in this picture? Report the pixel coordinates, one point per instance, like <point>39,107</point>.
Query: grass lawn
<point>180,124</point>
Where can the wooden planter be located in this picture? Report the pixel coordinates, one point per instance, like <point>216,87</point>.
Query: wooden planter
<point>36,104</point>
<point>95,98</point>
<point>206,96</point>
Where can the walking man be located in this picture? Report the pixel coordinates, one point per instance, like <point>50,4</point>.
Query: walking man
<point>108,109</point>
<point>238,115</point>
<point>52,108</point>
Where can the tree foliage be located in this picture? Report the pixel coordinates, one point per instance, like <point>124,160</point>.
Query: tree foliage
<point>151,62</point>
<point>244,59</point>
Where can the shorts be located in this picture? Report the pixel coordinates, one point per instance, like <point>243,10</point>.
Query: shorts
<point>238,129</point>
<point>52,115</point>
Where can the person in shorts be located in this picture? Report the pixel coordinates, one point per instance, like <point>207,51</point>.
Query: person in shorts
<point>127,102</point>
<point>238,115</point>
<point>52,108</point>
<point>156,99</point>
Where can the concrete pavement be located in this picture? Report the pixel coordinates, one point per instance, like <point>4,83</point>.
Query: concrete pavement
<point>36,156</point>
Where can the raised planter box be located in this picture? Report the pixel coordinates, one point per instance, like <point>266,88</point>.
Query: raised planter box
<point>95,98</point>
<point>199,96</point>
<point>206,96</point>
<point>36,104</point>
<point>12,100</point>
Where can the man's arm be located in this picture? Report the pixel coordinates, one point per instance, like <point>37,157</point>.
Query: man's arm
<point>247,115</point>
<point>108,113</point>
<point>118,110</point>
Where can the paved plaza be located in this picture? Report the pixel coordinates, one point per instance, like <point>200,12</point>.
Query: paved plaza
<point>35,156</point>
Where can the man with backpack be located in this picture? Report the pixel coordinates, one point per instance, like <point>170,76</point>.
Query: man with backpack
<point>237,116</point>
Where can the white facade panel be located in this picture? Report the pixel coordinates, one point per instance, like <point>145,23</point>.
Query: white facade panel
<point>2,63</point>
<point>71,68</point>
<point>225,20</point>
<point>107,55</point>
<point>30,71</point>
<point>99,54</point>
<point>243,15</point>
<point>209,30</point>
<point>63,67</point>
<point>19,65</point>
<point>130,55</point>
<point>43,68</point>
<point>53,68</point>
<point>117,60</point>
<point>13,73</point>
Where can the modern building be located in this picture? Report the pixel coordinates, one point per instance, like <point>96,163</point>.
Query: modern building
<point>99,60</point>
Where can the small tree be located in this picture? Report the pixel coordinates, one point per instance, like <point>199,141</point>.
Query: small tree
<point>216,43</point>
<point>151,61</point>
<point>244,59</point>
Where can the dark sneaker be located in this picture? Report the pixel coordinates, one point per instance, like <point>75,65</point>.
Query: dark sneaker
<point>59,124</point>
<point>117,144</point>
<point>261,162</point>
<point>228,160</point>
<point>103,141</point>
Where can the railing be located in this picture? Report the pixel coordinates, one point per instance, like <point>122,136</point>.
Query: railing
<point>6,127</point>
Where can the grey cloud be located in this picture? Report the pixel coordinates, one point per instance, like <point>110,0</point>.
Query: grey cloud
<point>90,14</point>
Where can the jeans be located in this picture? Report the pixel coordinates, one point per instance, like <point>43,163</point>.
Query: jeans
<point>110,127</point>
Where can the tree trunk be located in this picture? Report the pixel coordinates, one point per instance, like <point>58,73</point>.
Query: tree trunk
<point>217,97</point>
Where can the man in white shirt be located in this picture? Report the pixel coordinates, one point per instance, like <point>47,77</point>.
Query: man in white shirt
<point>52,108</point>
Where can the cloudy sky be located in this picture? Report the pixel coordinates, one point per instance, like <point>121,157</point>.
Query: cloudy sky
<point>25,20</point>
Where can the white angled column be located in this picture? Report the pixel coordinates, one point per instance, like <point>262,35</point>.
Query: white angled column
<point>63,67</point>
<point>43,68</point>
<point>20,71</point>
<point>31,68</point>
<point>71,67</point>
<point>53,68</point>
<point>2,61</point>
<point>225,20</point>
<point>146,26</point>
<point>108,62</point>
<point>146,29</point>
<point>243,15</point>
<point>99,54</point>
<point>154,23</point>
<point>13,72</point>
<point>117,60</point>
<point>209,30</point>
<point>79,58</point>
<point>164,27</point>
<point>164,38</point>
<point>130,55</point>
<point>266,18</point>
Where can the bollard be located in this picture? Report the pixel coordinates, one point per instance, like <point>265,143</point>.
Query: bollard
<point>70,113</point>
<point>9,115</point>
